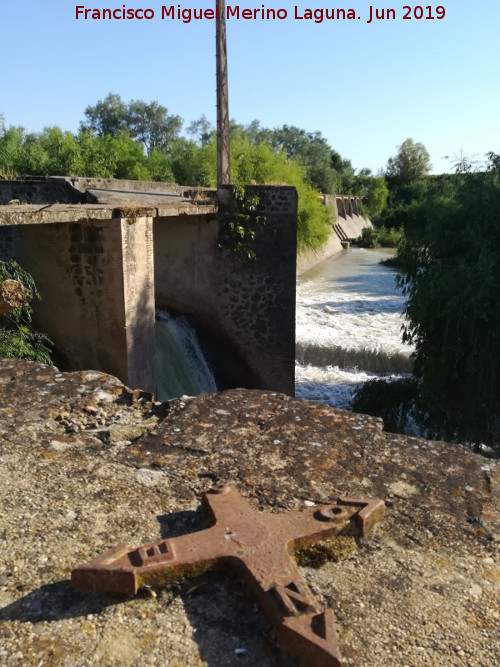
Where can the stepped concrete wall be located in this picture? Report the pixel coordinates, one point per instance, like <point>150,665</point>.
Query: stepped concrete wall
<point>347,226</point>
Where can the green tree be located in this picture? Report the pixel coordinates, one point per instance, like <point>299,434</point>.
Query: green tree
<point>62,152</point>
<point>373,191</point>
<point>314,153</point>
<point>375,197</point>
<point>406,178</point>
<point>451,278</point>
<point>493,161</point>
<point>97,155</point>
<point>130,160</point>
<point>108,116</point>
<point>160,166</point>
<point>18,339</point>
<point>201,130</point>
<point>150,123</point>
<point>452,282</point>
<point>146,122</point>
<point>192,164</point>
<point>11,150</point>
<point>346,173</point>
<point>411,162</point>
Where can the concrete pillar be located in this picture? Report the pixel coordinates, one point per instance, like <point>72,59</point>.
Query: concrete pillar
<point>97,285</point>
<point>139,293</point>
<point>340,207</point>
<point>348,205</point>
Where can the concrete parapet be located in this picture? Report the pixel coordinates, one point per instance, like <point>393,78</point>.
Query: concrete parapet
<point>41,190</point>
<point>65,190</point>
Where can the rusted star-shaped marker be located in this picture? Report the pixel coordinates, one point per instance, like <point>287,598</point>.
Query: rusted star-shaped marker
<point>260,546</point>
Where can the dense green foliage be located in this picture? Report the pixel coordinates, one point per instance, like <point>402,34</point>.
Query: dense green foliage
<point>411,162</point>
<point>237,233</point>
<point>373,191</point>
<point>54,152</point>
<point>452,283</point>
<point>139,140</point>
<point>148,123</point>
<point>406,178</point>
<point>17,337</point>
<point>397,402</point>
<point>376,237</point>
<point>451,278</point>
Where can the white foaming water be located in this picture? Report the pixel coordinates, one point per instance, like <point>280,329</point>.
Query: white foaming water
<point>181,367</point>
<point>348,328</point>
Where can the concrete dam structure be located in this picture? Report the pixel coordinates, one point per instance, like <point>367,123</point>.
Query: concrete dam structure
<point>105,253</point>
<point>347,226</point>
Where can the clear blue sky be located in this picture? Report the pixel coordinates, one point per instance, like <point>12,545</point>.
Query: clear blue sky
<point>366,87</point>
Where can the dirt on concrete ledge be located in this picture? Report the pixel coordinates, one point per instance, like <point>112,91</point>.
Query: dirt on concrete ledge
<point>86,463</point>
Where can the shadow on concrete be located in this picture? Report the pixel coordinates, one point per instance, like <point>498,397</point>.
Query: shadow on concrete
<point>57,601</point>
<point>228,627</point>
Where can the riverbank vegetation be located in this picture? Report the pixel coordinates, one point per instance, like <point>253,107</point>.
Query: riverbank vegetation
<point>450,276</point>
<point>18,339</point>
<point>142,141</point>
<point>381,237</point>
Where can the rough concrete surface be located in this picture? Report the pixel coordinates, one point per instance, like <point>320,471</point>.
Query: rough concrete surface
<point>86,463</point>
<point>30,214</point>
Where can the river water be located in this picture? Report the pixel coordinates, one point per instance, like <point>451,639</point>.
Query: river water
<point>348,326</point>
<point>348,331</point>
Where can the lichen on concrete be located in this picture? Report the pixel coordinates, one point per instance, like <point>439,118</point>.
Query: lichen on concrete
<point>334,548</point>
<point>85,464</point>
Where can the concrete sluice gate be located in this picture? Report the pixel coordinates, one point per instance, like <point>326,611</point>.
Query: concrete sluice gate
<point>104,254</point>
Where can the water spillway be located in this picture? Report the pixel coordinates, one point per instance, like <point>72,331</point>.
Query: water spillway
<point>348,326</point>
<point>181,366</point>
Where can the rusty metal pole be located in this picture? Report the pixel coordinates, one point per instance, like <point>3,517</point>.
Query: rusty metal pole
<point>223,146</point>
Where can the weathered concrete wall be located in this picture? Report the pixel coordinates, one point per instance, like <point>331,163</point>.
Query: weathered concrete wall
<point>138,289</point>
<point>350,222</point>
<point>98,293</point>
<point>421,589</point>
<point>40,191</point>
<point>66,190</point>
<point>306,260</point>
<point>347,225</point>
<point>93,264</point>
<point>247,308</point>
